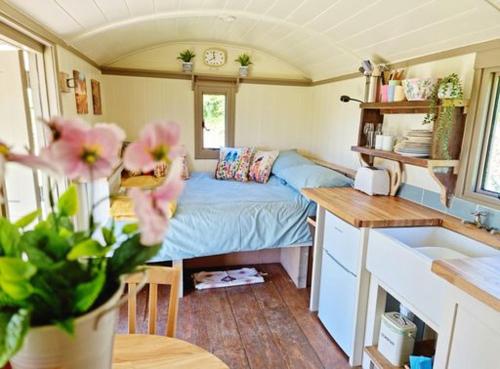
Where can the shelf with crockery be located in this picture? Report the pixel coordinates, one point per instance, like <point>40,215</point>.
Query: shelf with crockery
<point>406,107</point>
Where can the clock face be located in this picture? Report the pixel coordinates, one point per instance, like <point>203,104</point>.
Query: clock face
<point>214,57</point>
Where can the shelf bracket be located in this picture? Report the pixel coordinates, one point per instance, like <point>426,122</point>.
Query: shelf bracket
<point>445,173</point>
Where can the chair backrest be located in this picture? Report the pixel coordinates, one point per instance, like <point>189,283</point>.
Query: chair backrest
<point>155,275</point>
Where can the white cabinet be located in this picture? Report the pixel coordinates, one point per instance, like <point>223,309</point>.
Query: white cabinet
<point>475,342</point>
<point>340,282</point>
<point>337,301</point>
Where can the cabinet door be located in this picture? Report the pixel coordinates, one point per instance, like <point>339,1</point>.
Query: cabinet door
<point>474,343</point>
<point>342,241</point>
<point>337,301</point>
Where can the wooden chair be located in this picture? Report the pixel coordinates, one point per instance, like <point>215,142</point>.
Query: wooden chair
<point>155,275</point>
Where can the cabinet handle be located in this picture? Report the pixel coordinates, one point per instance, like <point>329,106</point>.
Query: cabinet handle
<point>339,264</point>
<point>338,229</point>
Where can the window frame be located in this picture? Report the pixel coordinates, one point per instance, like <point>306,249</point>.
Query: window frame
<point>218,88</point>
<point>479,133</point>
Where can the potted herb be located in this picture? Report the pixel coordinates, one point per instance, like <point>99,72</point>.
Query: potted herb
<point>59,286</point>
<point>245,62</point>
<point>186,56</point>
<point>446,94</point>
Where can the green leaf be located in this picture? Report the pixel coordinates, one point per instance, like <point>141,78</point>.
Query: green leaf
<point>9,238</point>
<point>13,269</point>
<point>67,325</point>
<point>87,248</point>
<point>13,329</point>
<point>87,293</point>
<point>18,290</point>
<point>8,302</point>
<point>27,219</point>
<point>68,202</point>
<point>130,228</point>
<point>38,258</point>
<point>109,236</point>
<point>129,256</point>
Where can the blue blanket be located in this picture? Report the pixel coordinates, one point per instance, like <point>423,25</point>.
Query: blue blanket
<point>218,217</point>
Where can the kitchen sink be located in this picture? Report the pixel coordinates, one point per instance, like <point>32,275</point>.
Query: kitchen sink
<point>438,242</point>
<point>401,260</point>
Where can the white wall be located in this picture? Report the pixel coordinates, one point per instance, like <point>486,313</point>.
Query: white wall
<point>67,63</point>
<point>164,57</point>
<point>266,116</point>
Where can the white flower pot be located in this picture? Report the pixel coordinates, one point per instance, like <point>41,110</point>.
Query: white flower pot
<point>187,67</point>
<point>49,347</point>
<point>244,71</point>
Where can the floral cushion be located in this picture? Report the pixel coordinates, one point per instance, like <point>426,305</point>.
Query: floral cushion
<point>262,163</point>
<point>234,163</point>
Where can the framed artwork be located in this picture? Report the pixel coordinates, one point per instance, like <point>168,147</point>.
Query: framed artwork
<point>96,96</point>
<point>82,106</point>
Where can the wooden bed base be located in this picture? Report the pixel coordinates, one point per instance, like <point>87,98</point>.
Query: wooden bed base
<point>294,260</point>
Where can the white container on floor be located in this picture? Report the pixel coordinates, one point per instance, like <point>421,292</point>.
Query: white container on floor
<point>397,338</point>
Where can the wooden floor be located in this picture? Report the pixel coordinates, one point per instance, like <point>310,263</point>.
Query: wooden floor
<point>261,326</point>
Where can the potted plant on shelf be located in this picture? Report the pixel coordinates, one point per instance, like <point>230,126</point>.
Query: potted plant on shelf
<point>186,56</point>
<point>60,286</point>
<point>449,92</point>
<point>245,62</point>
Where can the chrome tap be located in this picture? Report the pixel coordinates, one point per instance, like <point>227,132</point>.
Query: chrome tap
<point>479,221</point>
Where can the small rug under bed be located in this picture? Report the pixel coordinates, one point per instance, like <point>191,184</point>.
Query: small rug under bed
<point>229,278</point>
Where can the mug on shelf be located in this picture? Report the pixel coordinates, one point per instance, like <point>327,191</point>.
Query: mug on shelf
<point>387,143</point>
<point>384,93</point>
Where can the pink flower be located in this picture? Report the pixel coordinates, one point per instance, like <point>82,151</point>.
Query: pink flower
<point>85,152</point>
<point>29,160</point>
<point>158,142</point>
<point>151,208</point>
<point>60,127</point>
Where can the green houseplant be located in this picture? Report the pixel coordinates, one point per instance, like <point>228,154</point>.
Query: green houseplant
<point>245,61</point>
<point>186,57</point>
<point>59,285</point>
<point>449,92</point>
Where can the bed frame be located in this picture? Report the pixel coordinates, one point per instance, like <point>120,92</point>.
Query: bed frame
<point>294,260</point>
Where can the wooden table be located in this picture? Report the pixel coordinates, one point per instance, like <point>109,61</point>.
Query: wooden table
<point>138,351</point>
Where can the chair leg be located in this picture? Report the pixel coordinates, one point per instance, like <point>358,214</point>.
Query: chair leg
<point>179,265</point>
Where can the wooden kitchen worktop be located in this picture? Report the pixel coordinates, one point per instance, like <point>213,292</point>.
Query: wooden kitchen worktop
<point>361,210</point>
<point>479,277</point>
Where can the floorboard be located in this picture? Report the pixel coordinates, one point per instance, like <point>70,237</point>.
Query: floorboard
<point>261,326</point>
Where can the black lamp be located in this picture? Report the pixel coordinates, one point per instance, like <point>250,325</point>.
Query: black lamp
<point>345,98</point>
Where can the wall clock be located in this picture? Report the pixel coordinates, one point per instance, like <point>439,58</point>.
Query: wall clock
<point>214,57</point>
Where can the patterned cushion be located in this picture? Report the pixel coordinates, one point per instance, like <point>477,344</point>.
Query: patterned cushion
<point>234,163</point>
<point>262,163</point>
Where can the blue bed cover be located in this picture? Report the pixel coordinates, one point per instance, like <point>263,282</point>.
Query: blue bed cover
<point>218,217</point>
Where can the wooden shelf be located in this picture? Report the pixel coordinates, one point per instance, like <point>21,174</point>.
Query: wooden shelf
<point>391,155</point>
<point>406,107</point>
<point>378,359</point>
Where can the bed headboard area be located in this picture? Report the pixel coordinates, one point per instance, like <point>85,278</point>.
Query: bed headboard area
<point>348,172</point>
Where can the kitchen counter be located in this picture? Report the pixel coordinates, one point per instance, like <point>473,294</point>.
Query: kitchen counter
<point>479,277</point>
<point>361,210</point>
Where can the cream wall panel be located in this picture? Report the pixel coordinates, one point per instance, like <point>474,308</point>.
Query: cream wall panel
<point>165,58</point>
<point>266,116</point>
<point>69,62</point>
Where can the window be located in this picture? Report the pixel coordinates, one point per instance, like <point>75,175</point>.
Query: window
<point>480,181</point>
<point>214,118</point>
<point>490,181</point>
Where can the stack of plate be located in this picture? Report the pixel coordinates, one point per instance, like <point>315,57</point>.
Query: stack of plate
<point>418,142</point>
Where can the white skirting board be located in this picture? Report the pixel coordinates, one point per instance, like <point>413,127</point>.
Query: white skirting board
<point>294,260</point>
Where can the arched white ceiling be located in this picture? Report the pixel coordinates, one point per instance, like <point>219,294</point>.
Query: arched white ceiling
<point>323,38</point>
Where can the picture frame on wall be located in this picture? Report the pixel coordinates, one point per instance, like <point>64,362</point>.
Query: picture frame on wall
<point>96,96</point>
<point>82,106</point>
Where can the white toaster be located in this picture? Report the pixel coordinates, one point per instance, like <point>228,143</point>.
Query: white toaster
<point>373,181</point>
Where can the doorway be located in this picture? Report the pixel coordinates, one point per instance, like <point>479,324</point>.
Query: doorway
<point>22,104</point>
